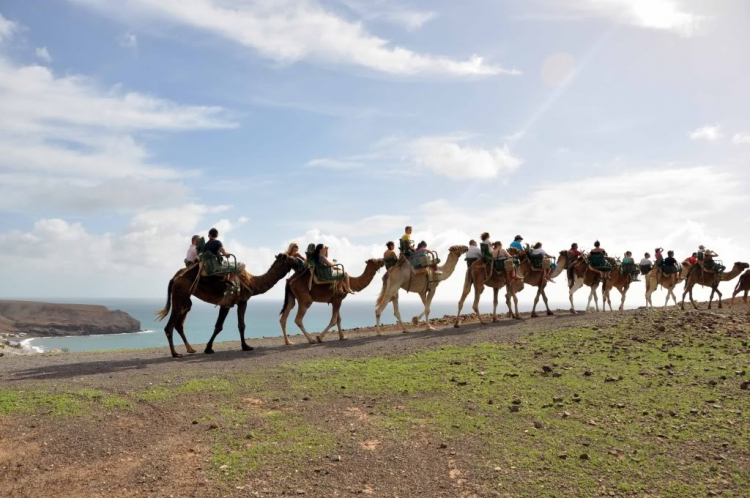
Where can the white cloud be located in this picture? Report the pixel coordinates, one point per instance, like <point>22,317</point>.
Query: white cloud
<point>7,28</point>
<point>390,11</point>
<point>43,53</point>
<point>741,138</point>
<point>64,140</point>
<point>288,31</point>
<point>712,133</point>
<point>128,40</point>
<point>665,15</point>
<point>446,156</point>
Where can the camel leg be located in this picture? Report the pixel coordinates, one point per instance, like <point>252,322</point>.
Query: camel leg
<point>514,296</point>
<point>397,314</point>
<point>285,315</point>
<point>577,284</point>
<point>301,310</point>
<point>495,292</point>
<point>719,293</point>
<point>684,293</point>
<point>536,301</point>
<point>478,289</point>
<point>169,330</point>
<point>670,292</point>
<point>543,292</point>
<point>427,302</point>
<point>223,312</point>
<point>342,337</point>
<point>241,308</point>
<point>334,319</point>
<point>180,326</point>
<point>622,301</point>
<point>464,294</point>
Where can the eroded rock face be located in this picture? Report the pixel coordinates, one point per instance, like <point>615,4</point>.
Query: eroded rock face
<point>49,320</point>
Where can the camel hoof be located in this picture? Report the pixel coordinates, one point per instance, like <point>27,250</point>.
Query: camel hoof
<point>318,340</point>
<point>549,313</point>
<point>288,343</point>
<point>534,315</point>
<point>455,325</point>
<point>208,351</point>
<point>431,329</point>
<point>343,338</point>
<point>404,331</point>
<point>191,351</point>
<point>176,355</point>
<point>247,348</point>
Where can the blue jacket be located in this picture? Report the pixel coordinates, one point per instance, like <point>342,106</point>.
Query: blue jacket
<point>516,244</point>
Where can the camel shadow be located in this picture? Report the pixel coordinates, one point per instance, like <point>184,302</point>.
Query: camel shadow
<point>143,362</point>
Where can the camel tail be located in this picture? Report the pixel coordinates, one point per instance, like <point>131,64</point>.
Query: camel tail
<point>381,296</point>
<point>287,291</point>
<point>161,315</point>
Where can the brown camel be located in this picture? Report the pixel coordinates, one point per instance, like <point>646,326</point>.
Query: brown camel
<point>618,280</point>
<point>535,278</point>
<point>742,285</point>
<point>481,274</point>
<point>655,278</point>
<point>211,290</point>
<point>700,276</point>
<point>402,276</point>
<point>584,275</point>
<point>299,289</point>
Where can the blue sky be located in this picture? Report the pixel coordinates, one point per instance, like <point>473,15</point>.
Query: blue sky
<point>127,126</point>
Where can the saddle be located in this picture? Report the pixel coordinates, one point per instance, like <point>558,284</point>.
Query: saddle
<point>599,262</point>
<point>670,269</point>
<point>505,264</point>
<point>424,259</point>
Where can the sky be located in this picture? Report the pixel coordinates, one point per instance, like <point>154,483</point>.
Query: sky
<point>128,126</point>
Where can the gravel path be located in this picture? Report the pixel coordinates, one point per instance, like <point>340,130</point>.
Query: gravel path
<point>113,368</point>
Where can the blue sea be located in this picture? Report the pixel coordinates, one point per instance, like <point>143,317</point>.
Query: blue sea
<point>262,319</point>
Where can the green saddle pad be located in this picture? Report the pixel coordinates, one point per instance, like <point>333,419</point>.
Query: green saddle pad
<point>629,268</point>
<point>390,262</point>
<point>499,264</point>
<point>599,262</point>
<point>326,273</point>
<point>212,265</point>
<point>670,269</point>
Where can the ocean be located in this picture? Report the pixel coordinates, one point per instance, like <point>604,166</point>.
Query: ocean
<point>262,319</point>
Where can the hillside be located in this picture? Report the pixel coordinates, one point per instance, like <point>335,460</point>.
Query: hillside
<point>49,319</point>
<point>639,403</point>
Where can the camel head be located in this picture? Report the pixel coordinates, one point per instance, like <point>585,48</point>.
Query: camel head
<point>458,250</point>
<point>288,262</point>
<point>741,266</point>
<point>375,262</point>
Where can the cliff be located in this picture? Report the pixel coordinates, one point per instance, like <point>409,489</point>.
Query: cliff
<point>50,320</point>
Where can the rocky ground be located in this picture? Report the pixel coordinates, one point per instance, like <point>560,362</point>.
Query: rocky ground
<point>617,404</point>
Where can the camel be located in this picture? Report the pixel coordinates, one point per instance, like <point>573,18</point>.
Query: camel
<point>299,289</point>
<point>655,278</point>
<point>535,278</point>
<point>402,276</point>
<point>618,280</point>
<point>742,285</point>
<point>584,275</point>
<point>212,290</point>
<point>698,275</point>
<point>481,274</point>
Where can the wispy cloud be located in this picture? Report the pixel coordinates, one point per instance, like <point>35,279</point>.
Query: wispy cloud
<point>7,28</point>
<point>711,133</point>
<point>43,54</point>
<point>288,31</point>
<point>335,164</point>
<point>64,141</point>
<point>391,11</point>
<point>665,15</point>
<point>128,40</point>
<point>741,138</point>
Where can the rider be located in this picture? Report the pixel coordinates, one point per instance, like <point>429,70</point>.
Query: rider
<point>500,253</point>
<point>598,249</point>
<point>407,247</point>
<point>573,254</point>
<point>659,256</point>
<point>215,246</point>
<point>516,244</point>
<point>485,246</point>
<point>390,254</point>
<point>670,260</point>
<point>538,251</point>
<point>320,257</point>
<point>473,254</point>
<point>646,264</point>
<point>192,252</point>
<point>628,260</point>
